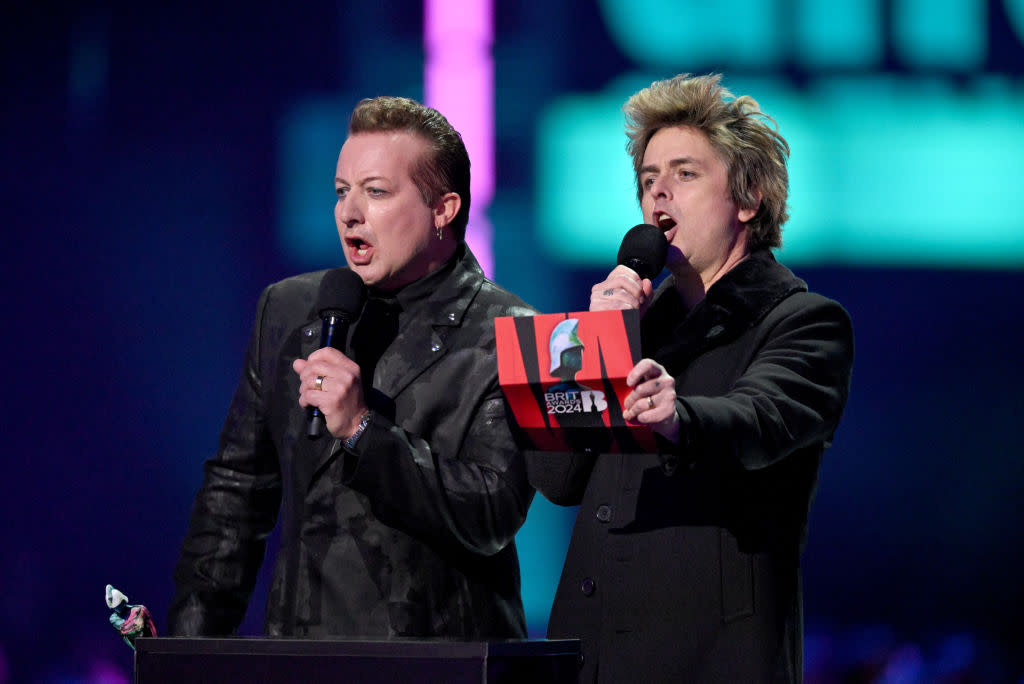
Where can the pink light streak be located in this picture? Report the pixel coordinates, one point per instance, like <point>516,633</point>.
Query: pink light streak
<point>459,82</point>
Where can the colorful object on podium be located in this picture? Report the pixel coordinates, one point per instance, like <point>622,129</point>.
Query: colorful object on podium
<point>130,621</point>
<point>564,376</point>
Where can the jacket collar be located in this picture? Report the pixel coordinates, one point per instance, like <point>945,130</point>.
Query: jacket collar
<point>433,306</point>
<point>752,289</point>
<point>423,338</point>
<point>733,304</point>
<point>422,341</point>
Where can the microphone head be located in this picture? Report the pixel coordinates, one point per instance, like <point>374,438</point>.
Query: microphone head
<point>342,293</point>
<point>644,249</point>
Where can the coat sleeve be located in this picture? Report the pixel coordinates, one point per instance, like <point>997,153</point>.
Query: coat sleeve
<point>789,397</point>
<point>233,513</point>
<point>474,496</point>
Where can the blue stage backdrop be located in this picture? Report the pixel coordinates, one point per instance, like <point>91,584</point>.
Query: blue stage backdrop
<point>161,165</point>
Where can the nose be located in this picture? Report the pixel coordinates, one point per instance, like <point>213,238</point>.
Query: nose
<point>659,188</point>
<point>347,211</point>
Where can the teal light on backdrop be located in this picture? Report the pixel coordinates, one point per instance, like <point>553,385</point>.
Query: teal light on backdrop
<point>883,171</point>
<point>1015,13</point>
<point>841,33</point>
<point>310,136</point>
<point>762,33</point>
<point>940,33</point>
<point>736,32</point>
<point>895,168</point>
<point>585,190</point>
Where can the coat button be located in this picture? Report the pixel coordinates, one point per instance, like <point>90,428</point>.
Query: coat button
<point>451,317</point>
<point>587,586</point>
<point>604,513</point>
<point>435,347</point>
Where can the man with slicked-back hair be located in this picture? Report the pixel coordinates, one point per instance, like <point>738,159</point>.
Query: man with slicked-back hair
<point>399,520</point>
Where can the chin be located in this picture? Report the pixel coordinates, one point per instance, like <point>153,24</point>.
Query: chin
<point>379,281</point>
<point>364,274</point>
<point>675,258</point>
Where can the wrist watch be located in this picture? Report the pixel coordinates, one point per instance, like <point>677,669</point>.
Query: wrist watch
<point>354,437</point>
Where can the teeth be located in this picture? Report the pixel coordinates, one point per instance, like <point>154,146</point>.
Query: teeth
<point>361,251</point>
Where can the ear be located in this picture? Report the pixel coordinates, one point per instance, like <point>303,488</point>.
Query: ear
<point>745,214</point>
<point>446,208</point>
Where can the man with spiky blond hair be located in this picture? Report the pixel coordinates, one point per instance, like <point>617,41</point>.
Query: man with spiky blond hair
<point>684,565</point>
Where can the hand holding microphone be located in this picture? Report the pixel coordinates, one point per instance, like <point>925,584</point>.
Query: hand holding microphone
<point>339,301</point>
<point>641,257</point>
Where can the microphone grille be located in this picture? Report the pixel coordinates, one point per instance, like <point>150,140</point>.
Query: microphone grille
<point>341,290</point>
<point>644,249</point>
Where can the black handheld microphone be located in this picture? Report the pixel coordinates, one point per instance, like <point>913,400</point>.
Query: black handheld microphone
<point>644,249</point>
<point>339,300</point>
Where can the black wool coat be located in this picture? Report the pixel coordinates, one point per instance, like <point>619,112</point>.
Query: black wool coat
<point>410,533</point>
<point>684,565</point>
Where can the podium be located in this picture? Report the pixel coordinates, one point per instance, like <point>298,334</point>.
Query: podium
<point>408,661</point>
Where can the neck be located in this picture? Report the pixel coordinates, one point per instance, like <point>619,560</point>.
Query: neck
<point>439,255</point>
<point>690,287</point>
<point>693,285</point>
<point>445,250</point>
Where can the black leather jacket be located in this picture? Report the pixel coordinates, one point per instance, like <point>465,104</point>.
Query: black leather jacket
<point>411,532</point>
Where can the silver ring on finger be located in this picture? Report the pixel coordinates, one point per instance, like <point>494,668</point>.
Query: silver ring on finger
<point>650,402</point>
<point>319,384</point>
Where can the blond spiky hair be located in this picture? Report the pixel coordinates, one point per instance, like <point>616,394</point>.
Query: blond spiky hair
<point>753,151</point>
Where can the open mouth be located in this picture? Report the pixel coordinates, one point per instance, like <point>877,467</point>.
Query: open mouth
<point>664,221</point>
<point>359,250</point>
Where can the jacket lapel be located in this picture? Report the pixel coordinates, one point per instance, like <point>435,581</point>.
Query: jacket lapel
<point>309,337</point>
<point>421,342</point>
<point>739,300</point>
<point>424,338</point>
<point>310,455</point>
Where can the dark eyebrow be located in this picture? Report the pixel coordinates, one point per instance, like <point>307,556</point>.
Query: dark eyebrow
<point>675,163</point>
